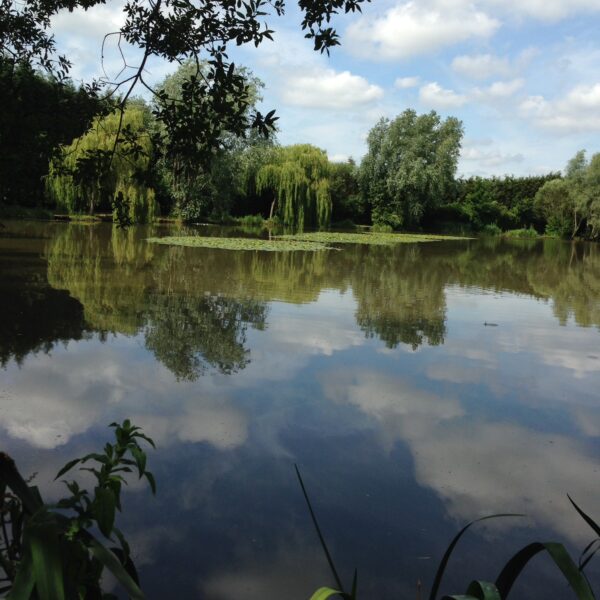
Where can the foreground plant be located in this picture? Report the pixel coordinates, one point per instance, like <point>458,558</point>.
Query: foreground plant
<point>481,590</point>
<point>48,551</point>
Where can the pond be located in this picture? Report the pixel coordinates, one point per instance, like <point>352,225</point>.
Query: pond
<point>416,386</point>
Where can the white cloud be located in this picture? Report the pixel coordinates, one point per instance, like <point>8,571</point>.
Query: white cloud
<point>578,111</point>
<point>403,83</point>
<point>492,158</point>
<point>481,66</point>
<point>435,96</point>
<point>325,88</point>
<point>547,10</point>
<point>502,89</point>
<point>411,29</point>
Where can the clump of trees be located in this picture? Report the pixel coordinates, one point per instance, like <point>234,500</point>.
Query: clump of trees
<point>482,203</point>
<point>571,205</point>
<point>409,167</point>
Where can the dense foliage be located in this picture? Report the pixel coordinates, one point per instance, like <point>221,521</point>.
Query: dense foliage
<point>505,202</point>
<point>38,114</point>
<point>571,206</point>
<point>410,166</point>
<point>216,100</point>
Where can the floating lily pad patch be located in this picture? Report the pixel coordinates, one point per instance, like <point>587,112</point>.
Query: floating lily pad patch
<point>376,239</point>
<point>222,243</point>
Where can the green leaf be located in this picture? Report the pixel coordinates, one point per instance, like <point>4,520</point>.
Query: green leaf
<point>585,517</point>
<point>66,468</point>
<point>103,509</point>
<point>23,584</point>
<point>324,593</point>
<point>41,537</point>
<point>318,530</point>
<point>561,558</point>
<point>140,459</point>
<point>112,563</point>
<point>478,590</point>
<point>444,562</point>
<point>151,481</point>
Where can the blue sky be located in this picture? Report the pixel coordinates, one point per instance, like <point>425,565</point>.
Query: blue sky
<point>522,75</point>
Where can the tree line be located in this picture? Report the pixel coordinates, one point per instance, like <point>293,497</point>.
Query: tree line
<point>60,153</point>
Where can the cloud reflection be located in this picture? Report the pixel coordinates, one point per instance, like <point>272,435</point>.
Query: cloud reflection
<point>478,467</point>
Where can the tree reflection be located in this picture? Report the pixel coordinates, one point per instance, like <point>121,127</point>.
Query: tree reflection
<point>125,288</point>
<point>194,307</point>
<point>188,334</point>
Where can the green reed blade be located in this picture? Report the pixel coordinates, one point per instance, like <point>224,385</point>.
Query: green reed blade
<point>444,562</point>
<point>561,558</point>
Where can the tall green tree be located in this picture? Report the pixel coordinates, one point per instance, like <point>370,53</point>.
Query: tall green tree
<point>298,178</point>
<point>410,166</point>
<point>204,190</point>
<point>78,184</point>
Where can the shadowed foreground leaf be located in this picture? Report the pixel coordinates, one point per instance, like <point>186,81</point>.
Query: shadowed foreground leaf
<point>47,571</point>
<point>324,593</point>
<point>478,590</point>
<point>444,562</point>
<point>561,558</point>
<point>321,538</point>
<point>112,563</point>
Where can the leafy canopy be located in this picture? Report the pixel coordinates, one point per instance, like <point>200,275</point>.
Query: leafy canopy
<point>217,98</point>
<point>410,166</point>
<point>299,178</point>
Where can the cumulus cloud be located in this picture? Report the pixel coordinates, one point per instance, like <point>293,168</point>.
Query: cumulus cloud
<point>578,111</point>
<point>435,96</point>
<point>500,89</point>
<point>491,158</point>
<point>326,88</point>
<point>403,83</point>
<point>481,66</point>
<point>411,29</point>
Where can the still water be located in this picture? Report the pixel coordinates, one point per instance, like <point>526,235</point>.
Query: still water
<point>417,387</point>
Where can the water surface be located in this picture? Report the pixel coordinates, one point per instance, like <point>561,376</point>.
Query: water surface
<point>417,387</point>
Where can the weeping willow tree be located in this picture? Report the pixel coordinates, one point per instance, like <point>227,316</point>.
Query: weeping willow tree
<point>299,178</point>
<point>87,177</point>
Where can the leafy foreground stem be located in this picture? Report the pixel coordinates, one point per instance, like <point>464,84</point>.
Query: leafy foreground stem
<point>50,555</point>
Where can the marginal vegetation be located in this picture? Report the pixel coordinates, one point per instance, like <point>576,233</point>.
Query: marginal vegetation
<point>50,551</point>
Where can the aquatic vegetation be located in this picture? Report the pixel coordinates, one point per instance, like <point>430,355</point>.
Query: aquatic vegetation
<point>371,238</point>
<point>272,245</point>
<point>250,221</point>
<point>530,233</point>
